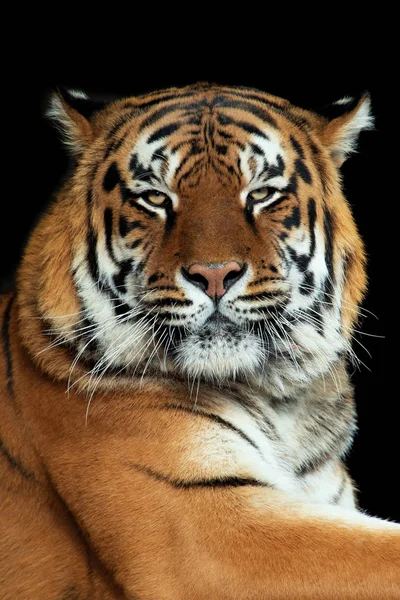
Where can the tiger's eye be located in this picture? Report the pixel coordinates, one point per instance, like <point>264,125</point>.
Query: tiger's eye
<point>156,198</point>
<point>259,195</point>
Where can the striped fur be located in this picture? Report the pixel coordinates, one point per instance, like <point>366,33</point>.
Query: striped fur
<point>198,435</point>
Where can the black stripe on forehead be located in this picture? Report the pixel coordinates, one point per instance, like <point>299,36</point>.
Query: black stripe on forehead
<point>257,111</point>
<point>164,98</point>
<point>284,109</point>
<point>135,109</point>
<point>188,109</point>
<point>220,101</point>
<point>226,98</point>
<point>194,168</point>
<point>113,146</point>
<point>121,121</point>
<point>214,106</point>
<point>247,127</point>
<point>257,95</point>
<point>163,132</point>
<point>185,160</point>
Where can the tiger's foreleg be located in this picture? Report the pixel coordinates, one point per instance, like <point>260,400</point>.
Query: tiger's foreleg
<point>242,542</point>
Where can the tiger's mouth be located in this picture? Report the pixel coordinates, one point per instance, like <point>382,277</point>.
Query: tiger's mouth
<point>219,324</point>
<point>257,337</point>
<point>217,350</point>
<point>216,326</point>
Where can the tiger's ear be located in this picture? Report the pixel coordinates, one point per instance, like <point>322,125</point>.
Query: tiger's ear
<point>343,121</point>
<point>72,110</point>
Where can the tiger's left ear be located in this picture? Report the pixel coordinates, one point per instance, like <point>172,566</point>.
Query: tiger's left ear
<point>72,110</point>
<point>342,123</point>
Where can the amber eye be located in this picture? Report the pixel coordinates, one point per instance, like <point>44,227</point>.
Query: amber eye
<point>260,194</point>
<point>155,198</point>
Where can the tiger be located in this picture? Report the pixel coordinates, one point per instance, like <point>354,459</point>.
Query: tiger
<point>176,404</point>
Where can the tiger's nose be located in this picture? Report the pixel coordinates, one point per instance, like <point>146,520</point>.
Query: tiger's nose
<point>214,279</point>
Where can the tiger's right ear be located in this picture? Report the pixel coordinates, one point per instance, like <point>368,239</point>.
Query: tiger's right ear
<point>71,110</point>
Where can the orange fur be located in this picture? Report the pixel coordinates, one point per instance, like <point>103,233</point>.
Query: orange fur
<point>99,509</point>
<point>85,512</point>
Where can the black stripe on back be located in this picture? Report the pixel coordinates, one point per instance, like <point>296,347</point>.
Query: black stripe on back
<point>5,333</point>
<point>230,481</point>
<point>82,534</point>
<point>14,463</point>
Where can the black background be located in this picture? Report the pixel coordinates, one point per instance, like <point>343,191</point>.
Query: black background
<point>37,163</point>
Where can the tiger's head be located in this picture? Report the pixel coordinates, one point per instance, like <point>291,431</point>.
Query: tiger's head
<point>203,233</point>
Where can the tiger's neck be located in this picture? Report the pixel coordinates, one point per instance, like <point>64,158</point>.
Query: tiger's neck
<point>46,294</point>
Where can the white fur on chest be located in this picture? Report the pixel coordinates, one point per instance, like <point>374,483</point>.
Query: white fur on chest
<point>217,451</point>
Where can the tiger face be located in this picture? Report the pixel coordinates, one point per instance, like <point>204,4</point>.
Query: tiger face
<point>218,244</point>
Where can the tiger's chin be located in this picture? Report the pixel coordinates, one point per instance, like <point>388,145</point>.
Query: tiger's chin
<point>219,351</point>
